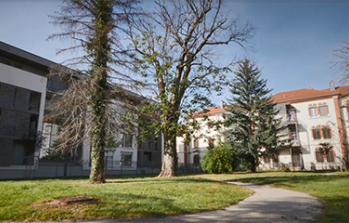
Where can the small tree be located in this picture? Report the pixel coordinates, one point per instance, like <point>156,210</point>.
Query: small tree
<point>220,159</point>
<point>254,130</point>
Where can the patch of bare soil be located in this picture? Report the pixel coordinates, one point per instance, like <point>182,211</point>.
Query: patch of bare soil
<point>68,201</point>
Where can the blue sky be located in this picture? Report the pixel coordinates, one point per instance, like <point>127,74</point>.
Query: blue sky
<point>293,42</point>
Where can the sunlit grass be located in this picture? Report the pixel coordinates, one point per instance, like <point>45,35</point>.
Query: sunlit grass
<point>332,188</point>
<point>120,198</point>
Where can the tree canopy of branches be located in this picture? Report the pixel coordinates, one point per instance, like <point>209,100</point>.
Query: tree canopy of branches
<point>343,60</point>
<point>174,52</point>
<point>254,131</point>
<point>86,110</point>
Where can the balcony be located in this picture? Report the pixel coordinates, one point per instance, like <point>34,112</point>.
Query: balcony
<point>294,140</point>
<point>295,143</point>
<point>291,121</point>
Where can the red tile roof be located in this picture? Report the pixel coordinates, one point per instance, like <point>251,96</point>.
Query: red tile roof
<point>209,111</point>
<point>308,94</point>
<point>289,96</point>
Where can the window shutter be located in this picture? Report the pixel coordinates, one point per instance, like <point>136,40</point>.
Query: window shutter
<point>323,111</point>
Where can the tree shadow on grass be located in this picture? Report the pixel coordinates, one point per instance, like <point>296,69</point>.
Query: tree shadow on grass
<point>265,180</point>
<point>259,211</point>
<point>164,181</point>
<point>118,205</point>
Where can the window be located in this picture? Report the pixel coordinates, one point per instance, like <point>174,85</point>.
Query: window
<point>210,124</point>
<point>147,159</point>
<point>316,134</point>
<point>126,159</point>
<point>294,135</point>
<point>108,162</point>
<point>326,132</point>
<point>319,156</point>
<point>196,159</point>
<point>196,143</point>
<point>330,156</point>
<point>323,110</point>
<point>291,114</point>
<point>127,140</point>
<point>313,112</point>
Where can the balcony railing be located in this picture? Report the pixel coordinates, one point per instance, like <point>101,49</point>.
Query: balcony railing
<point>291,121</point>
<point>295,142</point>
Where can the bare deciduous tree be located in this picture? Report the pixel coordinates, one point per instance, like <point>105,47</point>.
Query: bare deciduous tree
<point>87,110</point>
<point>175,52</point>
<point>343,55</point>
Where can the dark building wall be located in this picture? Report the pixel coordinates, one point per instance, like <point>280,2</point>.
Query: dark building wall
<point>18,123</point>
<point>149,153</point>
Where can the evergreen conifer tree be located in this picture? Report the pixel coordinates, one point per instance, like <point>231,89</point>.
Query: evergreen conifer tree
<point>253,132</point>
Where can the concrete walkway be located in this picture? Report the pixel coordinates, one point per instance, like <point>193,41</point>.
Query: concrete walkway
<point>267,204</point>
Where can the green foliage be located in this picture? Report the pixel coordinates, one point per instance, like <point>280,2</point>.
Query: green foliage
<point>220,159</point>
<point>174,53</point>
<point>251,116</point>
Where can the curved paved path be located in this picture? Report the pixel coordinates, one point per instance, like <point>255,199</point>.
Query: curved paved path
<point>267,204</point>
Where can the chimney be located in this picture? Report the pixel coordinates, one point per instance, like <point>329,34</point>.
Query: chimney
<point>332,85</point>
<point>222,104</point>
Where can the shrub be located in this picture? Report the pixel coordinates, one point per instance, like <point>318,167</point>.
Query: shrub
<point>219,159</point>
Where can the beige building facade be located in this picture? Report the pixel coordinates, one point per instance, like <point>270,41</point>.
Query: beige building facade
<point>312,117</point>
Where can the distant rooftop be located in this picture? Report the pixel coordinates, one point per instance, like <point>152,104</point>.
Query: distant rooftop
<point>289,96</point>
<point>29,59</point>
<point>308,94</point>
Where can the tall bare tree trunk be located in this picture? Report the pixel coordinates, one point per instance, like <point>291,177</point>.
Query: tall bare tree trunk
<point>100,48</point>
<point>97,174</point>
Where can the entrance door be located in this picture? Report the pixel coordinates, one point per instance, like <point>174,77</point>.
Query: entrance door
<point>296,158</point>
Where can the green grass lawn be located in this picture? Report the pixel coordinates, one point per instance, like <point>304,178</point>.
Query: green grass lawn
<point>120,198</point>
<point>332,188</point>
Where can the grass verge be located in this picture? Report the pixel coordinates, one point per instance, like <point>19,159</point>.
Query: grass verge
<point>332,188</point>
<point>120,198</point>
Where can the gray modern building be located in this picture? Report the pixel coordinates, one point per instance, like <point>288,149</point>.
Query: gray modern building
<point>25,91</point>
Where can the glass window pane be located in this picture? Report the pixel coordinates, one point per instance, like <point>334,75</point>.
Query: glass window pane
<point>326,133</point>
<point>316,134</point>
<point>319,157</point>
<point>330,156</point>
<point>313,112</point>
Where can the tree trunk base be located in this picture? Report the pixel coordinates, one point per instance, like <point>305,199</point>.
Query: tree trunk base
<point>168,168</point>
<point>166,174</point>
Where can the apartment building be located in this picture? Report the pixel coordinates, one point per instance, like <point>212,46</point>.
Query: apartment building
<point>22,102</point>
<point>312,117</point>
<point>25,92</point>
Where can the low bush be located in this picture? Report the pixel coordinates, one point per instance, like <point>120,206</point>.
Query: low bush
<point>220,159</point>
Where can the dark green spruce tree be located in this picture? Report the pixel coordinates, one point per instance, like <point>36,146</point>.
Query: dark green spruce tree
<point>253,129</point>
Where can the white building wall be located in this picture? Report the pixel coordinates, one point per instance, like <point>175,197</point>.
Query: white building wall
<point>113,156</point>
<point>308,144</point>
<point>202,134</point>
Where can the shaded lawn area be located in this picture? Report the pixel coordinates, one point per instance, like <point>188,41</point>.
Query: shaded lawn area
<point>119,198</point>
<point>332,188</point>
